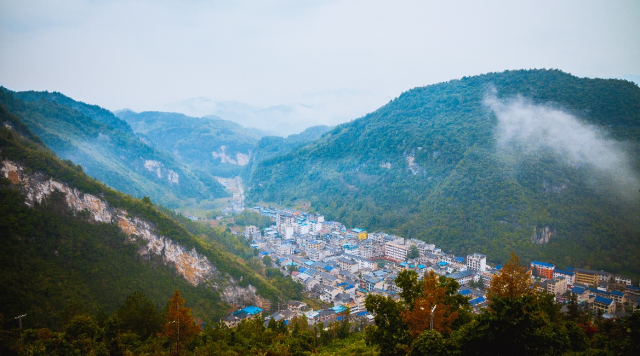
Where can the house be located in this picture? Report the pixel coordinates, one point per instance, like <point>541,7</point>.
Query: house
<point>603,305</point>
<point>396,250</point>
<point>568,275</point>
<point>347,264</point>
<point>581,293</point>
<point>556,286</point>
<point>464,277</point>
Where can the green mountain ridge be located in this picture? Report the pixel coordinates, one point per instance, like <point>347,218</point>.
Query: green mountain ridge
<point>113,154</point>
<point>427,165</point>
<point>57,262</point>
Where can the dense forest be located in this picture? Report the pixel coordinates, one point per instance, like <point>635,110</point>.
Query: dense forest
<point>428,165</point>
<point>108,150</point>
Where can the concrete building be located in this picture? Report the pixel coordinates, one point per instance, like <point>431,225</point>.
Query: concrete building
<point>603,305</point>
<point>556,286</point>
<point>542,269</point>
<point>396,251</point>
<point>569,276</point>
<point>586,276</point>
<point>477,262</point>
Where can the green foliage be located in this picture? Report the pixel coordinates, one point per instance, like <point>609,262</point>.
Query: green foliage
<point>413,252</point>
<point>54,254</point>
<point>107,149</point>
<point>138,315</point>
<point>248,217</point>
<point>460,192</point>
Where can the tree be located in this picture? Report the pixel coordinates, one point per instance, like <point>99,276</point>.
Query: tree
<point>138,315</point>
<point>433,295</point>
<point>267,261</point>
<point>413,252</point>
<point>512,281</point>
<point>391,334</point>
<point>179,326</point>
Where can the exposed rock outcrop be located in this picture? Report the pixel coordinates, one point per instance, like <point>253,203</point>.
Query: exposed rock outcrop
<point>193,266</point>
<point>541,236</point>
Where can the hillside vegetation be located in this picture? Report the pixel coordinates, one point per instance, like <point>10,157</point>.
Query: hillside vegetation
<point>108,150</point>
<point>57,263</point>
<point>430,165</point>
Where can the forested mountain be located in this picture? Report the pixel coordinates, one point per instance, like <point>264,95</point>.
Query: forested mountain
<point>108,150</point>
<point>534,161</point>
<point>217,146</point>
<point>71,245</point>
<point>271,146</point>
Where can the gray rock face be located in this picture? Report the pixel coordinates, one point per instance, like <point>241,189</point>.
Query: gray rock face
<point>541,236</point>
<point>193,266</point>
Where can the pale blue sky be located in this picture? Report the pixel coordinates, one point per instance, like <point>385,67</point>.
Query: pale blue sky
<point>339,59</point>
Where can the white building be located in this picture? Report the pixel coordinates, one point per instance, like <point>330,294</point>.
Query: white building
<point>477,262</point>
<point>396,250</point>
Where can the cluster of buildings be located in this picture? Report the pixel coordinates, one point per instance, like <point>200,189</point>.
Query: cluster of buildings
<point>599,291</point>
<point>340,266</point>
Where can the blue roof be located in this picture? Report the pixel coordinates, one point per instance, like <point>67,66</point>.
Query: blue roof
<point>357,230</point>
<point>301,269</point>
<point>362,313</point>
<point>421,266</point>
<point>442,263</point>
<point>633,288</point>
<point>603,300</point>
<point>615,292</point>
<point>328,268</point>
<point>564,272</point>
<point>264,253</point>
<point>479,300</point>
<point>498,267</point>
<point>291,264</point>
<point>281,259</point>
<point>460,259</point>
<point>578,290</point>
<point>340,318</point>
<point>464,292</point>
<point>252,310</point>
<point>339,309</point>
<point>309,263</point>
<point>543,264</point>
<point>403,264</point>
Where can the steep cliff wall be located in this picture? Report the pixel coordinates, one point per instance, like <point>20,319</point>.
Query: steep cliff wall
<point>193,266</point>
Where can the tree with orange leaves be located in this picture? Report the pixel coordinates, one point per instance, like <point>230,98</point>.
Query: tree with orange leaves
<point>418,318</point>
<point>513,281</point>
<point>180,326</point>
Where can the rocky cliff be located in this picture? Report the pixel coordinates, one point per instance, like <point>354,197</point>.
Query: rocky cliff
<point>193,266</point>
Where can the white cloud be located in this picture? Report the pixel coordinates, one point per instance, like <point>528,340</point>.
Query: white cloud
<point>531,127</point>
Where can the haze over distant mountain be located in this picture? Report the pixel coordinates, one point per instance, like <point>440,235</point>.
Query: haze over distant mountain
<point>315,109</point>
<point>108,150</point>
<point>536,161</point>
<point>220,147</point>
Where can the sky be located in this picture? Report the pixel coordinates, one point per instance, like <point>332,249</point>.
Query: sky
<point>289,64</point>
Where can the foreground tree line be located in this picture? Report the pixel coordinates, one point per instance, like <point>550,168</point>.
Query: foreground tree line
<point>433,319</point>
<point>430,318</point>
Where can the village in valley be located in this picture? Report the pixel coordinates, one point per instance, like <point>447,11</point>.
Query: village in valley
<point>339,266</point>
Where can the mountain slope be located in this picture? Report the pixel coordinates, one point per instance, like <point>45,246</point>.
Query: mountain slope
<point>217,146</point>
<point>455,164</point>
<point>111,154</point>
<point>272,146</point>
<point>71,245</point>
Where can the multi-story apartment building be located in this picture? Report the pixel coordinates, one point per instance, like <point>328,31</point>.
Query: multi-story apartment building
<point>604,305</point>
<point>542,269</point>
<point>569,276</point>
<point>396,251</point>
<point>477,262</point>
<point>586,276</point>
<point>557,286</point>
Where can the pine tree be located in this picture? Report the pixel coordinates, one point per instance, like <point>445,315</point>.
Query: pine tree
<point>180,326</point>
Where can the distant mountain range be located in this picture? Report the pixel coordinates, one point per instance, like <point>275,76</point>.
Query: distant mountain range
<point>219,147</point>
<point>539,162</point>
